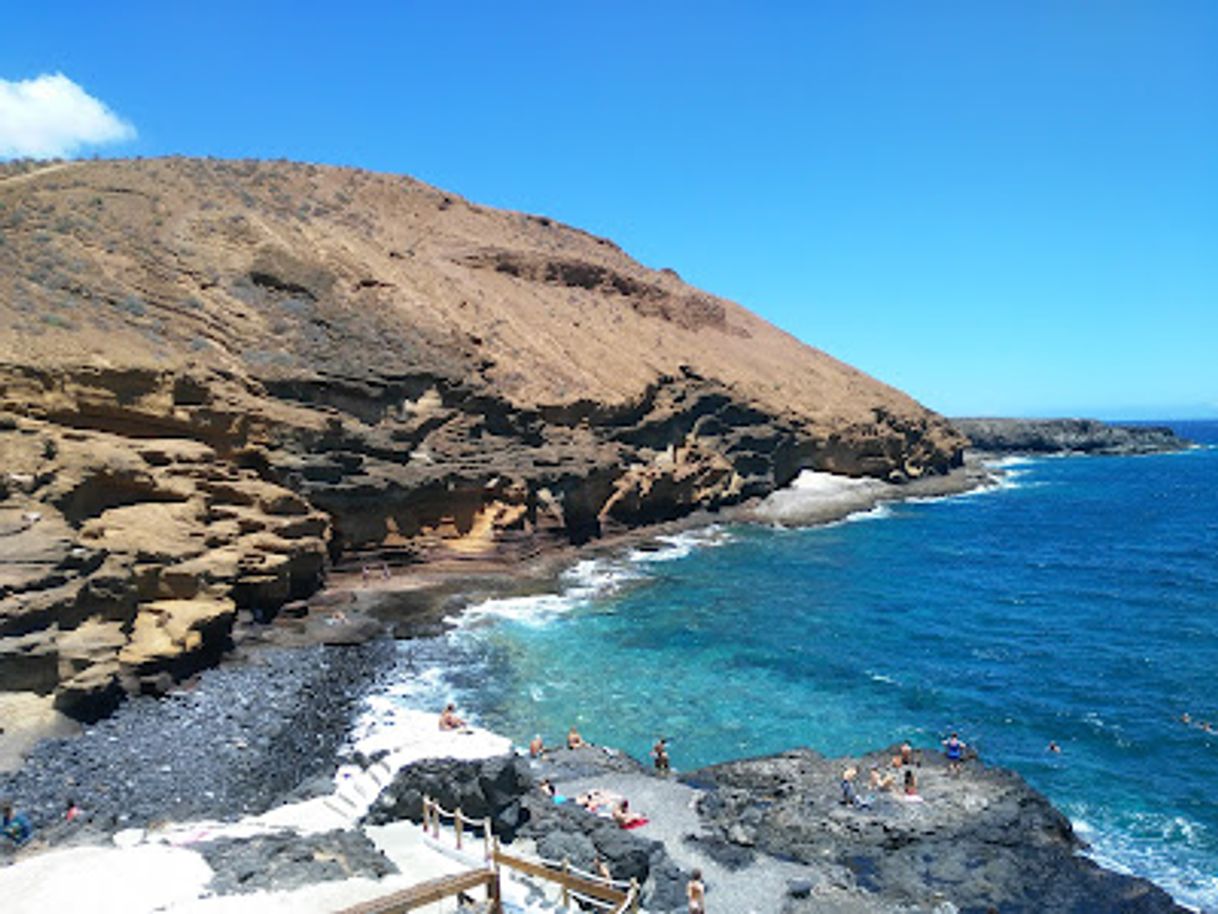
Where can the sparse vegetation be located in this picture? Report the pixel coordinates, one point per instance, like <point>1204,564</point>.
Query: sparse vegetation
<point>133,305</point>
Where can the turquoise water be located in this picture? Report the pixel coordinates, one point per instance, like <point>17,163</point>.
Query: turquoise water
<point>1076,603</point>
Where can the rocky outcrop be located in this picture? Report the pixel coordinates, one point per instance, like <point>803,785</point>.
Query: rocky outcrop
<point>1067,436</point>
<point>976,840</point>
<point>483,789</point>
<point>219,379</point>
<point>289,861</point>
<point>125,560</point>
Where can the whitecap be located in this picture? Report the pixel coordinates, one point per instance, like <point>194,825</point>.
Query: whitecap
<point>671,547</point>
<point>1158,847</point>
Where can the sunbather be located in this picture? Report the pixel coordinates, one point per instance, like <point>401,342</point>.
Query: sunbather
<point>625,817</point>
<point>449,719</point>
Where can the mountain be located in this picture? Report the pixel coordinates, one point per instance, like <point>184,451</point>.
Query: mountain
<point>219,378</point>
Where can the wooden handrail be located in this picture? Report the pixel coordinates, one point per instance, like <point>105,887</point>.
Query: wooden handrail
<point>568,881</point>
<point>429,892</point>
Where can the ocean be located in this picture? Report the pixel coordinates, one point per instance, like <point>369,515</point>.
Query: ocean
<point>1076,602</point>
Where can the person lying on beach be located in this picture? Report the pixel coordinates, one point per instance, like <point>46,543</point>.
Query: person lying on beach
<point>449,719</point>
<point>625,817</point>
<point>574,740</point>
<point>597,800</point>
<point>546,786</point>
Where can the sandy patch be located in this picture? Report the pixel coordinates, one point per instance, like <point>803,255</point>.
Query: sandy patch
<point>26,718</point>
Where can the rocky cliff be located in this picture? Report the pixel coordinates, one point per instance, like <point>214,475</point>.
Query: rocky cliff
<point>1067,436</point>
<point>218,378</point>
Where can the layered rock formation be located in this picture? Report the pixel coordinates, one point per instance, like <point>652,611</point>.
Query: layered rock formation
<point>218,377</point>
<point>1067,436</point>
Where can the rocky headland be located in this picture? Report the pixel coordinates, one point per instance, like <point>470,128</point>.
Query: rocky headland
<point>1067,436</point>
<point>221,382</point>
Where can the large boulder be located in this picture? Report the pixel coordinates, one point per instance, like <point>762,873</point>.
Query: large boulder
<point>481,789</point>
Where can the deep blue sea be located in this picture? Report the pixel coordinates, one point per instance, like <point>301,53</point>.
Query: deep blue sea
<point>1077,602</point>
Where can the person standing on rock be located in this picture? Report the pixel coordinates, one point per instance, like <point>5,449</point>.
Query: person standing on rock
<point>659,752</point>
<point>953,748</point>
<point>695,892</point>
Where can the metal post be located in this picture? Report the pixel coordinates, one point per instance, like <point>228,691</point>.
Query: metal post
<point>634,894</point>
<point>457,826</point>
<point>486,837</point>
<point>566,892</point>
<point>426,814</point>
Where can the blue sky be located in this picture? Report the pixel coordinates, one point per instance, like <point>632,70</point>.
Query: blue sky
<point>1002,208</point>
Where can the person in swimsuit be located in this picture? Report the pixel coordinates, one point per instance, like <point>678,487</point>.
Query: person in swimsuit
<point>574,740</point>
<point>906,754</point>
<point>953,748</point>
<point>695,892</point>
<point>536,746</point>
<point>659,752</point>
<point>449,719</point>
<point>880,781</point>
<point>624,816</point>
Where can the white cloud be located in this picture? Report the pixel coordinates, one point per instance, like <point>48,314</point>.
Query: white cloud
<point>51,116</point>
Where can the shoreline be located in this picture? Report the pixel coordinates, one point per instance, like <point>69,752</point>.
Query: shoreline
<point>548,569</point>
<point>421,601</point>
<point>200,862</point>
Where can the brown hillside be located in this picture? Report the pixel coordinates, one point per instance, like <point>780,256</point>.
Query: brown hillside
<point>218,377</point>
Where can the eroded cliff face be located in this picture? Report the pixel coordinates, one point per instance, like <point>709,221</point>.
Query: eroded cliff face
<point>218,379</point>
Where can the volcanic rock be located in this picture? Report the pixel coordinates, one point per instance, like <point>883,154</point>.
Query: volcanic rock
<point>977,839</point>
<point>1067,436</point>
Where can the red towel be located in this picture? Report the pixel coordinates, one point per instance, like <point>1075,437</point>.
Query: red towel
<point>636,823</point>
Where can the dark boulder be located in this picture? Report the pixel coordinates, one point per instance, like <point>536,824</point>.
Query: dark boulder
<point>481,789</point>
<point>289,861</point>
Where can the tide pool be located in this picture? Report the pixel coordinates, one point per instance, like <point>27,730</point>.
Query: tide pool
<point>1077,602</point>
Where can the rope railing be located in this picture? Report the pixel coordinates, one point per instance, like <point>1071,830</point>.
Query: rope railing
<point>573,882</point>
